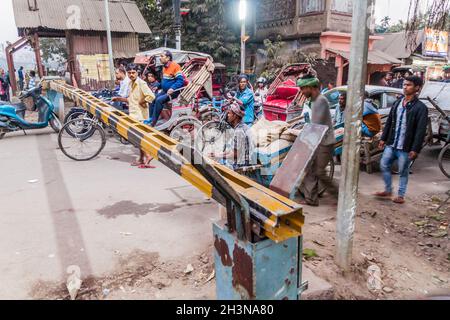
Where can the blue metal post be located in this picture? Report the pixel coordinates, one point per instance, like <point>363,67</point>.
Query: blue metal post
<point>263,270</point>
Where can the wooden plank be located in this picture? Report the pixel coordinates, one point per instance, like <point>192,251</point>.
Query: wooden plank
<point>289,176</point>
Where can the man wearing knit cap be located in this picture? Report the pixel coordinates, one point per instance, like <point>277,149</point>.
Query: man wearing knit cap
<point>241,150</point>
<point>320,114</point>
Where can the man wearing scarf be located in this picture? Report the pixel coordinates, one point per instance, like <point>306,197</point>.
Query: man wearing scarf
<point>320,114</point>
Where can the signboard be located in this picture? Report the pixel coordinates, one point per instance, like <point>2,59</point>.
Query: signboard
<point>94,67</point>
<point>436,43</point>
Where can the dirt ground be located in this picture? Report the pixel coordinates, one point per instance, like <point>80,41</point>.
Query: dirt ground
<point>134,255</point>
<point>409,244</point>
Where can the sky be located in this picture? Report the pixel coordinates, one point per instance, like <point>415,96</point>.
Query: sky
<point>396,9</point>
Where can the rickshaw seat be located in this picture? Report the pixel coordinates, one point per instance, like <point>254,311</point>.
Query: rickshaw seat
<point>286,92</point>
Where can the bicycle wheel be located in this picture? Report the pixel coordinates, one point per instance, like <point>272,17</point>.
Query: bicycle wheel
<point>214,137</point>
<point>186,131</point>
<point>444,161</point>
<point>81,139</point>
<point>55,123</point>
<point>74,113</point>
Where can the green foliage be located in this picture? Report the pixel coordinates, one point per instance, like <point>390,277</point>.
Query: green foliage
<point>159,16</point>
<point>385,26</point>
<point>309,253</point>
<point>204,29</point>
<point>276,60</point>
<point>53,49</point>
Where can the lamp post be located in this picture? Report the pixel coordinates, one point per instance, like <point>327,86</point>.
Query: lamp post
<point>110,50</point>
<point>242,18</point>
<point>177,24</point>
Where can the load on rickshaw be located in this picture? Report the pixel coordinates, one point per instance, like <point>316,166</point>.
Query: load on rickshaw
<point>184,115</point>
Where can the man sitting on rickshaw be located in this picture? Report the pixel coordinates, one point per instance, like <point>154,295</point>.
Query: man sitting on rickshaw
<point>172,81</point>
<point>241,152</point>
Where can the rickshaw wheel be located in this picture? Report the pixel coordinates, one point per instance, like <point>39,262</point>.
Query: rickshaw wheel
<point>185,131</point>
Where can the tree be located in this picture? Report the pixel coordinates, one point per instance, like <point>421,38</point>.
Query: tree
<point>204,29</point>
<point>159,17</point>
<point>53,50</point>
<point>436,17</point>
<point>276,60</point>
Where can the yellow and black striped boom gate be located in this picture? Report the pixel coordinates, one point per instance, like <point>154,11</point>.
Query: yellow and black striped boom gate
<point>264,213</point>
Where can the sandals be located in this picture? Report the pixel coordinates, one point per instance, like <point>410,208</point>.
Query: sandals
<point>399,200</point>
<point>383,194</point>
<point>136,163</point>
<point>146,166</point>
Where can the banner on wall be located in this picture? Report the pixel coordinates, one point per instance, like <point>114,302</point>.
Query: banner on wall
<point>436,43</point>
<point>94,67</point>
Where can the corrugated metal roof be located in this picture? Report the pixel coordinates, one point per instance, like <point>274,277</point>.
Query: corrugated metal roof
<point>374,57</point>
<point>57,14</point>
<point>395,44</point>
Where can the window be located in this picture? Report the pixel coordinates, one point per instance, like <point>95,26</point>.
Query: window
<point>333,97</point>
<point>345,6</point>
<point>308,6</point>
<point>376,98</point>
<point>390,99</point>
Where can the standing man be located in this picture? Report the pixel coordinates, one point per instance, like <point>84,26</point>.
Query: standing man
<point>339,117</point>
<point>389,78</point>
<point>172,80</point>
<point>21,78</point>
<point>320,114</point>
<point>32,82</point>
<point>403,137</point>
<point>124,89</point>
<point>329,87</point>
<point>246,100</point>
<point>138,101</point>
<point>3,86</point>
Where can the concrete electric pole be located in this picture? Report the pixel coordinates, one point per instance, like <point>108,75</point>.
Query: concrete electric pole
<point>348,188</point>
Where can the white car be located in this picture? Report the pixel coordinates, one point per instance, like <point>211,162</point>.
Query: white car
<point>383,97</point>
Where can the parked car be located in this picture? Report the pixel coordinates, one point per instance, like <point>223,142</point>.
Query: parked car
<point>383,97</point>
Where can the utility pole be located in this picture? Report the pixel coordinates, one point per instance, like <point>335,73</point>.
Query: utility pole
<point>110,50</point>
<point>177,26</point>
<point>242,17</point>
<point>348,188</point>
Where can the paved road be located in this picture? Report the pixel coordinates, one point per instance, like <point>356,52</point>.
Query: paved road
<point>83,213</point>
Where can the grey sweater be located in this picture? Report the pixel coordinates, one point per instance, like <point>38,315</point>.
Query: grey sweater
<point>320,114</point>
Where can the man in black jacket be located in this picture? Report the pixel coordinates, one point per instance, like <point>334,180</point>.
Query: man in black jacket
<point>403,136</point>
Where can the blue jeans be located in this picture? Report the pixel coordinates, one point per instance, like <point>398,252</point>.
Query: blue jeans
<point>389,156</point>
<point>157,106</point>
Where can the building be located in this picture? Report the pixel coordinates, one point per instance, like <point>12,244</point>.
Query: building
<point>425,54</point>
<point>82,23</point>
<point>315,26</point>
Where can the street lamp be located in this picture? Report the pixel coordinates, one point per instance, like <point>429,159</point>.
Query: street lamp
<point>242,17</point>
<point>109,40</point>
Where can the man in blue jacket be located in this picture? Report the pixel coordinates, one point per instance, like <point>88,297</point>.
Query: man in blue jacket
<point>247,100</point>
<point>172,80</point>
<point>403,137</point>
